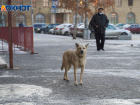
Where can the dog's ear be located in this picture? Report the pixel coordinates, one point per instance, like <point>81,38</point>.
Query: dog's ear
<point>76,44</point>
<point>87,45</point>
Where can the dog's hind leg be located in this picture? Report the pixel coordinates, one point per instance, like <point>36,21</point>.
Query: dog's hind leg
<point>69,66</point>
<point>66,71</point>
<point>62,66</point>
<point>64,76</point>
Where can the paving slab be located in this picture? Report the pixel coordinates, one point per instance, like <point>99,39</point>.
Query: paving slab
<point>2,63</point>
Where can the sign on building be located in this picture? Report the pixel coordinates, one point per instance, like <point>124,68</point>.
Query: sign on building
<point>54,6</point>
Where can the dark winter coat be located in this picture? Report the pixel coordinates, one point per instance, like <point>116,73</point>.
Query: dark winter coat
<point>101,21</point>
<point>21,25</point>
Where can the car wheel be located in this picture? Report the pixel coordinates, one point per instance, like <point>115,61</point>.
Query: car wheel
<point>124,33</point>
<point>66,34</point>
<point>42,32</point>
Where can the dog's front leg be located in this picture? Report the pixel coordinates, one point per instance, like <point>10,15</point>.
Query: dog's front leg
<point>75,69</point>
<point>82,70</point>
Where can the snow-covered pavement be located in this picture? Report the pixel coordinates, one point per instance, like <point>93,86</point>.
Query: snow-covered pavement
<point>111,77</point>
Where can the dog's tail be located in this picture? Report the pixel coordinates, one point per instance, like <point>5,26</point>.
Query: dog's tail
<point>62,66</point>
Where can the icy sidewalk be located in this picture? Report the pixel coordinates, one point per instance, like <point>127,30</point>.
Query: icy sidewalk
<point>4,51</point>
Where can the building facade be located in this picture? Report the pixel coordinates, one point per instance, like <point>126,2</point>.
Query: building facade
<point>42,13</point>
<point>125,11</point>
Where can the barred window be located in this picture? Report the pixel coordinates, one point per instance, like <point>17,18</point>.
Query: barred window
<point>130,18</point>
<point>20,18</point>
<point>118,3</point>
<point>5,2</point>
<point>39,18</point>
<point>45,2</point>
<point>113,18</point>
<point>20,2</point>
<point>34,2</point>
<point>130,2</point>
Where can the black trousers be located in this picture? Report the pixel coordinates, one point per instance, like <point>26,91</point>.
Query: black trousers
<point>100,40</point>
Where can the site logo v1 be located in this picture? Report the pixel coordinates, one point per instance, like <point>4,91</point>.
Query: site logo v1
<point>14,7</point>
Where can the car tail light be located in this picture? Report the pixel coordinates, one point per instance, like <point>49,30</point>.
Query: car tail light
<point>56,28</point>
<point>77,29</point>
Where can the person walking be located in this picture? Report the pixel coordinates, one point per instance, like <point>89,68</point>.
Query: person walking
<point>99,22</point>
<point>21,25</point>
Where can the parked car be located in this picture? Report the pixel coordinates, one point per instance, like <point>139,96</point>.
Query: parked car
<point>120,25</point>
<point>114,31</point>
<point>57,28</point>
<point>111,30</point>
<point>79,24</point>
<point>51,31</point>
<point>134,28</point>
<point>125,26</point>
<point>46,28</point>
<point>39,25</point>
<point>65,30</point>
<point>80,30</point>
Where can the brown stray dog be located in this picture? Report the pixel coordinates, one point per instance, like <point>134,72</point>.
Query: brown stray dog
<point>76,58</point>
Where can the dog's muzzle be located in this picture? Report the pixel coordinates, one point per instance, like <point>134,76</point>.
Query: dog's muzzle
<point>82,52</point>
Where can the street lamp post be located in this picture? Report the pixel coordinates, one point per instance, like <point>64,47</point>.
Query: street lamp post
<point>76,19</point>
<point>55,18</point>
<point>86,32</point>
<point>55,7</point>
<point>32,13</point>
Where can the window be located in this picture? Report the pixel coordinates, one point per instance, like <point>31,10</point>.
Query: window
<point>39,18</point>
<point>113,18</point>
<point>80,19</point>
<point>2,22</point>
<point>50,26</point>
<point>130,2</point>
<point>38,26</point>
<point>118,3</point>
<point>55,25</point>
<point>137,26</point>
<point>34,2</point>
<point>132,26</point>
<point>45,2</point>
<point>69,25</point>
<point>130,18</point>
<point>110,27</point>
<point>20,2</point>
<point>19,19</point>
<point>5,2</point>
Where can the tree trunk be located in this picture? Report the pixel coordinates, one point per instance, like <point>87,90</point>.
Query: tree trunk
<point>75,27</point>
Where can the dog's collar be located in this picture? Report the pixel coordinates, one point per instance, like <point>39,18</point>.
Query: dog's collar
<point>80,56</point>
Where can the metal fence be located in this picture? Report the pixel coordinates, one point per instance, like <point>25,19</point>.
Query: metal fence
<point>22,38</point>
